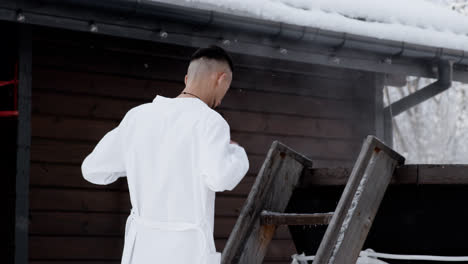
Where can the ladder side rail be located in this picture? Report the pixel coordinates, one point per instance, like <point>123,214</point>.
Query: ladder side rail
<point>272,189</point>
<point>359,203</point>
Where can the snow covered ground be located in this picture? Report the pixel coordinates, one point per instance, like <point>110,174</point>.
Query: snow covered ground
<point>416,21</point>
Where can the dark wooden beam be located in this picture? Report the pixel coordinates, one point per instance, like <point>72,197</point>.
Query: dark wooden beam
<point>23,145</point>
<point>407,174</point>
<point>395,80</point>
<point>274,218</point>
<point>378,82</point>
<point>388,127</point>
<point>387,117</point>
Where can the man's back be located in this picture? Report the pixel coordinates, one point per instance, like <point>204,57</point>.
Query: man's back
<point>175,153</point>
<point>162,151</point>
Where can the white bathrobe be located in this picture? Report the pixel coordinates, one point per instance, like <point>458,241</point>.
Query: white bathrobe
<point>175,153</point>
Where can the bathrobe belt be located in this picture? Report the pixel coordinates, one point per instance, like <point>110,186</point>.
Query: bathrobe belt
<point>134,221</point>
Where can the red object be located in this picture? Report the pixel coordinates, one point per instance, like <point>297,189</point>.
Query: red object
<point>3,83</point>
<point>8,113</point>
<point>15,94</point>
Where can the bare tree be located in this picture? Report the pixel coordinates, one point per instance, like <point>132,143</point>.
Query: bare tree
<point>435,131</point>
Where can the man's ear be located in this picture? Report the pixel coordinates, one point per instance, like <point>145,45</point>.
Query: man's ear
<point>221,78</point>
<point>185,79</point>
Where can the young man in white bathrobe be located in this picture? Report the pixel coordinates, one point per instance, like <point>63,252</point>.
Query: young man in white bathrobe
<point>176,153</point>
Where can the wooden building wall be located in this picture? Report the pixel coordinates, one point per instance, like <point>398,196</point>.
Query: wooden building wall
<point>82,86</point>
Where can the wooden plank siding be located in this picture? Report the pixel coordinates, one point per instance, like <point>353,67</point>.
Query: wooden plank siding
<point>83,84</point>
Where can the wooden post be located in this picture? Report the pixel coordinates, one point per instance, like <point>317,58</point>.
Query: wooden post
<point>271,191</point>
<point>388,127</point>
<point>23,145</point>
<point>378,81</point>
<point>359,203</point>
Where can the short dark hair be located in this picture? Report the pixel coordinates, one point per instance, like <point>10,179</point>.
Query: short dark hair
<point>213,52</point>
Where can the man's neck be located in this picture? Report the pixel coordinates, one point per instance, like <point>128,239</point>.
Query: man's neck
<point>190,91</point>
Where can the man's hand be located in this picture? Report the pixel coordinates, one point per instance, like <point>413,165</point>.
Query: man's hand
<point>233,142</point>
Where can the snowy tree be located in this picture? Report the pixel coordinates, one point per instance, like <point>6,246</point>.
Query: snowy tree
<point>436,131</point>
<point>457,5</point>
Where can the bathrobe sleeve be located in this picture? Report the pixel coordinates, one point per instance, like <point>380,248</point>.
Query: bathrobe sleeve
<point>105,164</point>
<point>223,165</point>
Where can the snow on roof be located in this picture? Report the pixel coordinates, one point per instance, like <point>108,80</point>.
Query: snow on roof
<point>413,21</point>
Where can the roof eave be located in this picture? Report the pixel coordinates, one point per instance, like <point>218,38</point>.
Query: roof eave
<point>146,19</point>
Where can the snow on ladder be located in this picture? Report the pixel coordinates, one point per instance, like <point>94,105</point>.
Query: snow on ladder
<point>348,226</point>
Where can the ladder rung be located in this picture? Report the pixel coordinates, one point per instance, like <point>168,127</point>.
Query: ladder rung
<point>274,218</point>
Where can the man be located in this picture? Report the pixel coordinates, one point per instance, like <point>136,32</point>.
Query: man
<point>176,153</point>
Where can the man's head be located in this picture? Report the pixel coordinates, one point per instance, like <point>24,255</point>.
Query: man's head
<point>210,69</point>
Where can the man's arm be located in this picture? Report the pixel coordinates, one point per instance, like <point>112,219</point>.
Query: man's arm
<point>105,164</point>
<point>223,162</point>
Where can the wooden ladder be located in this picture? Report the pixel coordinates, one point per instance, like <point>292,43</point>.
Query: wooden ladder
<point>348,226</point>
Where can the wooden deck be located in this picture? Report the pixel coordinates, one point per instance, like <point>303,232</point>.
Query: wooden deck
<point>406,174</point>
<point>423,211</point>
